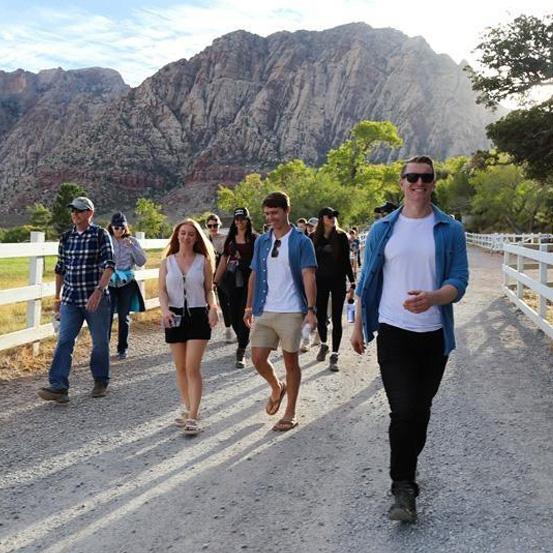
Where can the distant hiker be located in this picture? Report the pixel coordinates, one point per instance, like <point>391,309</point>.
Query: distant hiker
<point>333,267</point>
<point>281,297</point>
<point>123,288</point>
<point>217,238</point>
<point>84,268</point>
<point>415,268</point>
<point>233,274</point>
<point>386,208</point>
<point>189,311</point>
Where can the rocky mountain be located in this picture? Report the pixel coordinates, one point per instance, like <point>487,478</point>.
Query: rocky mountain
<point>245,103</point>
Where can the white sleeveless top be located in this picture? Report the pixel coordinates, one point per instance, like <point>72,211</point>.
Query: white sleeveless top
<point>192,283</point>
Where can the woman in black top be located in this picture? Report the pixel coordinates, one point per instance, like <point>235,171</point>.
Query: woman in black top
<point>334,265</point>
<point>233,273</point>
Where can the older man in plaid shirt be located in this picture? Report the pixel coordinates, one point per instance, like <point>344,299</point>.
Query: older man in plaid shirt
<point>84,268</point>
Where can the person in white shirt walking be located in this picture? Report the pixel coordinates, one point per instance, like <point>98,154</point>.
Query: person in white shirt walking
<point>281,297</point>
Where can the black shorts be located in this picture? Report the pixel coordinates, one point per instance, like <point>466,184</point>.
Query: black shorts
<point>194,326</point>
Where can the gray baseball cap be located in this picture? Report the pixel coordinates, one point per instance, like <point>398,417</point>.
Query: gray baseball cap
<point>82,204</point>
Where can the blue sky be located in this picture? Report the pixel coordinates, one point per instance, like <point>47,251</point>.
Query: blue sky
<point>137,38</point>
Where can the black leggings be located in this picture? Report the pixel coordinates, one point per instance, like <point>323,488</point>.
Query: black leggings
<point>238,299</point>
<point>337,290</point>
<point>224,303</point>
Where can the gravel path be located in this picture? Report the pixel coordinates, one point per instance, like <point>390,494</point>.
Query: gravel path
<point>113,474</point>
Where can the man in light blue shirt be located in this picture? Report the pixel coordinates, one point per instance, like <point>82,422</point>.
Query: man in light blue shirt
<point>415,268</point>
<point>281,297</point>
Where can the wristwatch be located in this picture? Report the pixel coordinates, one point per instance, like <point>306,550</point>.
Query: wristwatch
<point>312,309</point>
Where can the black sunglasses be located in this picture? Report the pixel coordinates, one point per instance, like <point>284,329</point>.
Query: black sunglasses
<point>117,227</point>
<point>414,177</point>
<point>74,210</point>
<point>212,226</point>
<point>276,246</point>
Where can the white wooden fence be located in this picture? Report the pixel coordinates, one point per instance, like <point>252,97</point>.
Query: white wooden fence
<point>527,269</point>
<point>33,294</point>
<point>494,242</point>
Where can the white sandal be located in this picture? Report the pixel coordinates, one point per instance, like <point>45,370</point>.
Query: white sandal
<point>191,427</point>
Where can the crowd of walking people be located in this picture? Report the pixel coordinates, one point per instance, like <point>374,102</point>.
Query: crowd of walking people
<point>274,289</point>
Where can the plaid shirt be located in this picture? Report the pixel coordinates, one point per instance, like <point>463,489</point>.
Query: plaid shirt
<point>82,259</point>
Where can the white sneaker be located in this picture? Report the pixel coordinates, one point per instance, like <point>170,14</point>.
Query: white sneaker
<point>229,335</point>
<point>305,345</point>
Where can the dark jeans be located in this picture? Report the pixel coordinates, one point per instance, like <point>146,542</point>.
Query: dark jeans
<point>225,306</point>
<point>412,365</point>
<point>337,290</point>
<point>121,302</point>
<point>237,305</point>
<point>72,318</point>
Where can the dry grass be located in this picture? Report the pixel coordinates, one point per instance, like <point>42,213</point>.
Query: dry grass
<point>20,362</point>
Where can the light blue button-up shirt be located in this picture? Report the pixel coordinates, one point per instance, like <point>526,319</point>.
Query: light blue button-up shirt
<point>451,268</point>
<point>301,255</point>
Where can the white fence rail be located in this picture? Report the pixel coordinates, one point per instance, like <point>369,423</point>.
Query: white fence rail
<point>528,270</point>
<point>34,293</point>
<point>494,242</point>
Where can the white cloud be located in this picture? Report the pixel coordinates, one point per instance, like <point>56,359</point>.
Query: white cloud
<point>148,38</point>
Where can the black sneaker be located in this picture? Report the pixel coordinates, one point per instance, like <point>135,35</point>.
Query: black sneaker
<point>240,358</point>
<point>333,362</point>
<point>51,394</point>
<point>404,507</point>
<point>323,350</point>
<point>99,389</point>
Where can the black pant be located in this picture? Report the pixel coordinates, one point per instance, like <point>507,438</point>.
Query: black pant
<point>225,306</point>
<point>337,290</point>
<point>121,302</point>
<point>412,365</point>
<point>237,300</point>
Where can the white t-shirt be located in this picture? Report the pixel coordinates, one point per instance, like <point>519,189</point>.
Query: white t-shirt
<point>282,296</point>
<point>409,264</point>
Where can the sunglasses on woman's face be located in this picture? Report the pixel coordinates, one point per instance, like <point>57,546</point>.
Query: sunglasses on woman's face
<point>215,225</point>
<point>275,250</point>
<point>116,227</point>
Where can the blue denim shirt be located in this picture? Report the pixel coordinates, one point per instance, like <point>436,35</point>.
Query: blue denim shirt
<point>451,268</point>
<point>301,255</point>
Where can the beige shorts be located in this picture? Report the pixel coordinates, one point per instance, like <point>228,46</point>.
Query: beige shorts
<point>271,328</point>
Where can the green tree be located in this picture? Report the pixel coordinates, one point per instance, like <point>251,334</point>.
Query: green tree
<point>61,215</point>
<point>505,200</point>
<point>151,220</point>
<point>517,59</point>
<point>40,219</point>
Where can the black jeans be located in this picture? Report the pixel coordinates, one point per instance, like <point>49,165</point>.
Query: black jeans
<point>412,365</point>
<point>225,306</point>
<point>337,290</point>
<point>121,302</point>
<point>237,300</point>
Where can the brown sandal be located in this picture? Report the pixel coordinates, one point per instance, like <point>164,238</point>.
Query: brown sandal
<point>283,425</point>
<point>273,405</point>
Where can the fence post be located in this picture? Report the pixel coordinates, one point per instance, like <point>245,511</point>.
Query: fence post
<point>36,272</point>
<point>140,236</point>
<point>506,263</point>
<point>543,280</point>
<point>520,269</point>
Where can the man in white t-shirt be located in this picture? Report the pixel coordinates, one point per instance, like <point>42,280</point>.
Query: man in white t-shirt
<point>281,297</point>
<point>415,268</point>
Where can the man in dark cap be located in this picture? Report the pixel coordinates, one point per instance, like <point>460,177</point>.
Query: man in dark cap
<point>385,209</point>
<point>84,268</point>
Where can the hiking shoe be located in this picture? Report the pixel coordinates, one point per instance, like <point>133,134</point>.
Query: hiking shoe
<point>51,394</point>
<point>99,389</point>
<point>240,358</point>
<point>404,507</point>
<point>333,365</point>
<point>323,350</point>
<point>122,355</point>
<point>229,338</point>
